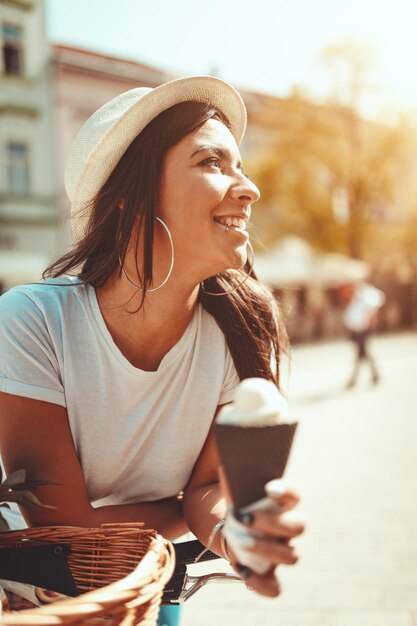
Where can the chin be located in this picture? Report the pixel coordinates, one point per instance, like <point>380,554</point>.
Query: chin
<point>234,260</point>
<point>237,261</point>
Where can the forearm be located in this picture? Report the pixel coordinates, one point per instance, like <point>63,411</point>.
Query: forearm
<point>165,516</point>
<point>203,507</point>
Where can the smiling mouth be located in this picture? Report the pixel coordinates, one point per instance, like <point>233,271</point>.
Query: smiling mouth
<point>234,223</point>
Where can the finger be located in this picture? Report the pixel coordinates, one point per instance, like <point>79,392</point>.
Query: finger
<point>273,522</point>
<point>282,492</point>
<point>266,585</point>
<point>277,553</point>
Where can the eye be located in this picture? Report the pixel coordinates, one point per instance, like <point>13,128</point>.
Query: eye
<point>214,161</point>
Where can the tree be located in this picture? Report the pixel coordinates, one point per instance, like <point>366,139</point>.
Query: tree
<point>333,177</point>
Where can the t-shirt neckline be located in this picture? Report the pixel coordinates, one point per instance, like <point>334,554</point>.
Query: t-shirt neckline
<point>171,356</point>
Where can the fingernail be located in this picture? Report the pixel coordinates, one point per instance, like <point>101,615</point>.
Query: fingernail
<point>275,488</point>
<point>245,518</point>
<point>244,571</point>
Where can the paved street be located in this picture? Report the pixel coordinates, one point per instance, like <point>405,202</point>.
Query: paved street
<point>354,461</point>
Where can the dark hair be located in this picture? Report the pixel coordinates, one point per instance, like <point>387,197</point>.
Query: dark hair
<point>249,316</point>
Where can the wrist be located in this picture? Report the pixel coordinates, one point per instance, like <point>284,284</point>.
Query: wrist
<point>216,530</point>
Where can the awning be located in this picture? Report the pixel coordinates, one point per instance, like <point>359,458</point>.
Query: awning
<point>294,263</point>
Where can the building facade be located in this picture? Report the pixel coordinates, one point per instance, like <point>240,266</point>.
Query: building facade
<point>28,217</point>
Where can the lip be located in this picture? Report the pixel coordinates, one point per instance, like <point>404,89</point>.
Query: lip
<point>229,217</point>
<point>232,228</point>
<point>240,216</point>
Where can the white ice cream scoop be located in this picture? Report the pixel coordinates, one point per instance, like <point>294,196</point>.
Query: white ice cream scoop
<point>258,402</point>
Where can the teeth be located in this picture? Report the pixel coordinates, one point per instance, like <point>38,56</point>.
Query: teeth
<point>233,221</point>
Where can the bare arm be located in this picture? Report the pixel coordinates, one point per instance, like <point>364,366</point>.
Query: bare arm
<point>35,435</point>
<point>203,501</point>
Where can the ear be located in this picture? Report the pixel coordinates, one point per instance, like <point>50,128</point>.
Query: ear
<point>121,204</point>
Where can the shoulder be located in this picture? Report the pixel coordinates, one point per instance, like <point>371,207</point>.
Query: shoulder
<point>217,355</point>
<point>208,326</point>
<point>39,294</point>
<point>17,300</point>
<point>211,343</point>
<point>49,299</point>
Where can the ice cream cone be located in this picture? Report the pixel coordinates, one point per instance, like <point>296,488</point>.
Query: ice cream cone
<point>251,456</point>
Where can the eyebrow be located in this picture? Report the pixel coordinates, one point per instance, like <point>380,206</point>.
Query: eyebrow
<point>223,154</point>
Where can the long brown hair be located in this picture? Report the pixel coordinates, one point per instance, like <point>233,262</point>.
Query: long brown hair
<point>249,316</point>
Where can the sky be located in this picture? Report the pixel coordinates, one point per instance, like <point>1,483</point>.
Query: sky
<point>266,45</point>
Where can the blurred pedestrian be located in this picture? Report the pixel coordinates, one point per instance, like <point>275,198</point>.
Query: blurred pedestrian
<point>115,366</point>
<point>360,319</point>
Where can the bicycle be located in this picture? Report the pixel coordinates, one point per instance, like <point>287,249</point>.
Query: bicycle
<point>78,568</point>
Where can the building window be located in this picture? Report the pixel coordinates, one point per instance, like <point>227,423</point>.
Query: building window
<point>18,167</point>
<point>12,49</point>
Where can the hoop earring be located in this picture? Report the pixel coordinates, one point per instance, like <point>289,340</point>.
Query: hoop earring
<point>224,293</point>
<point>126,275</point>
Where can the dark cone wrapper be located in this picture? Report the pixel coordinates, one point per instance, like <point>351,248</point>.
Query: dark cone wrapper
<point>251,456</point>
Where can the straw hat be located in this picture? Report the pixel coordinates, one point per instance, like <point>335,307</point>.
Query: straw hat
<point>107,134</point>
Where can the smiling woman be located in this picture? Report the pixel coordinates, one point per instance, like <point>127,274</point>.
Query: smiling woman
<point>125,363</point>
<point>220,196</point>
<point>220,162</point>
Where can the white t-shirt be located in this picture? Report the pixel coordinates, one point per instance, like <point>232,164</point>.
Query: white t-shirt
<point>137,434</point>
<point>365,302</point>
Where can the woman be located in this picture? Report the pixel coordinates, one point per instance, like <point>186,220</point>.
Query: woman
<point>114,375</point>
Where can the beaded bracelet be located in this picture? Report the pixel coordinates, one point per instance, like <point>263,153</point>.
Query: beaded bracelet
<point>223,545</point>
<point>217,526</point>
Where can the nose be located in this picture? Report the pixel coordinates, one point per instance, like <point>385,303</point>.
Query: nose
<point>244,190</point>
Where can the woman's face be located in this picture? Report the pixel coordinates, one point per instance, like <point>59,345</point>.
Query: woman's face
<point>205,200</point>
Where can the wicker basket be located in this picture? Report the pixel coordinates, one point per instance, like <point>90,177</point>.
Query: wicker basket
<point>123,567</point>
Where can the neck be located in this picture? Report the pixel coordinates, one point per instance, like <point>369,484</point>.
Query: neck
<point>144,335</point>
